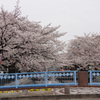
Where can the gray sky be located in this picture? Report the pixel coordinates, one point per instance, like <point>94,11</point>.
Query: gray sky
<point>76,17</point>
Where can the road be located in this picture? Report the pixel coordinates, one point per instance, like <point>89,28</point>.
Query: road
<point>81,99</point>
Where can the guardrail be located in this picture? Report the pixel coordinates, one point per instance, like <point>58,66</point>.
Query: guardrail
<point>94,78</point>
<point>38,79</point>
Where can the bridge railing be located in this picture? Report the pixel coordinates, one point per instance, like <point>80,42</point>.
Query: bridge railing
<point>7,80</point>
<point>38,79</point>
<point>94,77</point>
<point>62,78</point>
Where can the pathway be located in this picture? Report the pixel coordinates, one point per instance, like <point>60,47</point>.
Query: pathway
<point>80,90</point>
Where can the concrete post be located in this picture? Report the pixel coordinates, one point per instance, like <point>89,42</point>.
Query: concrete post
<point>67,89</point>
<point>83,78</point>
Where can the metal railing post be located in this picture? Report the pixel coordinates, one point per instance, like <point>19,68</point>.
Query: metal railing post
<point>75,77</point>
<point>46,79</point>
<point>16,80</point>
<point>90,77</point>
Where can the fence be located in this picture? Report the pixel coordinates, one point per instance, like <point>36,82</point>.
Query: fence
<point>94,78</point>
<point>38,79</point>
<point>45,79</point>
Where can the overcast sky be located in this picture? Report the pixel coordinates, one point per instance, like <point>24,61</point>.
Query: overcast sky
<point>76,17</point>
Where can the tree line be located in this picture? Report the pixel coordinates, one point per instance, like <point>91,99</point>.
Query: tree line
<point>28,46</point>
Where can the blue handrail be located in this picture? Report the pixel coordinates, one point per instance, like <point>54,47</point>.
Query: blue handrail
<point>94,78</point>
<point>38,79</point>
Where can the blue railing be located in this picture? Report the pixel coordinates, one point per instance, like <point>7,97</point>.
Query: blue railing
<point>38,79</point>
<point>94,78</point>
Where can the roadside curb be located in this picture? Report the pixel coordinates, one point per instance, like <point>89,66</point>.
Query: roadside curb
<point>54,97</point>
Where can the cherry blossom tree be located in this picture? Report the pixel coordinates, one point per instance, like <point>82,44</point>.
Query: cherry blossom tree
<point>26,45</point>
<point>84,52</point>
